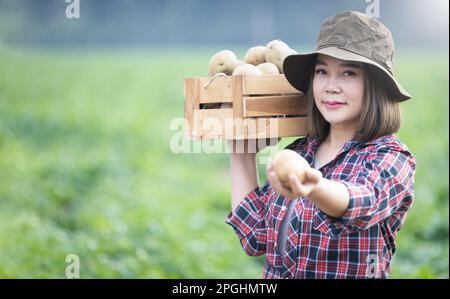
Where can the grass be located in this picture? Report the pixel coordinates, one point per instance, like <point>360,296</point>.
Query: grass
<point>86,168</point>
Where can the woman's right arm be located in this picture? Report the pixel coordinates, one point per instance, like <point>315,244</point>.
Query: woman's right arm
<point>244,172</point>
<point>247,218</point>
<point>244,176</point>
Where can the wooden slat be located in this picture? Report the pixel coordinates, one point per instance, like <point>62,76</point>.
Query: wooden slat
<point>274,105</point>
<point>190,94</point>
<point>219,124</point>
<point>261,128</point>
<point>267,85</point>
<point>237,96</point>
<point>292,126</point>
<point>195,130</point>
<point>215,123</point>
<point>277,127</point>
<point>219,91</point>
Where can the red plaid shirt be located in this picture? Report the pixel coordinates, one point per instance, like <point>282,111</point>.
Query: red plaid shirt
<point>379,175</point>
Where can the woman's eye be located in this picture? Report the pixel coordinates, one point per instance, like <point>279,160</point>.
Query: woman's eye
<point>320,71</point>
<point>349,73</point>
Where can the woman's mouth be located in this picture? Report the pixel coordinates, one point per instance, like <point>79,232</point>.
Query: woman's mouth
<point>333,104</point>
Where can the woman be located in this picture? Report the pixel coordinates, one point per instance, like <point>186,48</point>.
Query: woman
<point>342,221</point>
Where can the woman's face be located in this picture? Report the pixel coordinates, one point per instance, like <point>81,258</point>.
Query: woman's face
<point>338,88</point>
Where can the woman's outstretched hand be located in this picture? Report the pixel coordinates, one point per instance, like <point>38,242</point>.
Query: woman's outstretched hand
<point>297,188</point>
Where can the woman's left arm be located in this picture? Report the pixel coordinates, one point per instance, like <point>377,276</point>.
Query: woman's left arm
<point>329,196</point>
<point>375,192</point>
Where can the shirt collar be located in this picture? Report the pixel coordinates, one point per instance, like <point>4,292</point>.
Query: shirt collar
<point>313,143</point>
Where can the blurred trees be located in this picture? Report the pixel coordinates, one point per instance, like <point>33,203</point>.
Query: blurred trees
<point>199,22</point>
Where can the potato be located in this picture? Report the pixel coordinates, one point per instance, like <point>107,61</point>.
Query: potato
<point>268,68</point>
<point>286,162</point>
<point>256,55</point>
<point>246,69</point>
<point>276,52</point>
<point>224,61</point>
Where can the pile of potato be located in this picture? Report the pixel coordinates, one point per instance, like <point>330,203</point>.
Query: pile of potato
<point>258,60</point>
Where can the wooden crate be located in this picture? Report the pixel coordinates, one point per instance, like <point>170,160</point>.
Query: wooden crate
<point>262,106</point>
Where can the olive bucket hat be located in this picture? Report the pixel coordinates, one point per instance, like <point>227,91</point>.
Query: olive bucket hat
<point>351,36</point>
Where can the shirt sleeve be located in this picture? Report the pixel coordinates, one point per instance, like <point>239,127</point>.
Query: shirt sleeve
<point>249,221</point>
<point>381,187</point>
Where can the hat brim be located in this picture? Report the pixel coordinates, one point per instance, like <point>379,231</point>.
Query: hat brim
<point>297,69</point>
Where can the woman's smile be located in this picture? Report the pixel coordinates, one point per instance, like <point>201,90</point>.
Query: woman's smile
<point>333,105</point>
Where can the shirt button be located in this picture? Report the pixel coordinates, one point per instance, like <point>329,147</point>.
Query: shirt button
<point>276,244</point>
<point>283,208</point>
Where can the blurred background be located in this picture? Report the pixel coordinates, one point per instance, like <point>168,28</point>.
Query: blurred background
<point>86,105</point>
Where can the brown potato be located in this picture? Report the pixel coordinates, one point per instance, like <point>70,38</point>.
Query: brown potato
<point>268,68</point>
<point>246,69</point>
<point>224,61</point>
<point>286,162</point>
<point>276,52</point>
<point>256,55</point>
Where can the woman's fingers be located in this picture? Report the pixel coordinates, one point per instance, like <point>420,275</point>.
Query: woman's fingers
<point>272,177</point>
<point>283,190</point>
<point>296,185</point>
<point>313,175</point>
<point>278,186</point>
<point>297,188</point>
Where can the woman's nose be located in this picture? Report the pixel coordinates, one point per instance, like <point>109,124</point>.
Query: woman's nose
<point>332,85</point>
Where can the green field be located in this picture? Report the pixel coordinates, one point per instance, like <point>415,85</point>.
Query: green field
<point>86,168</point>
